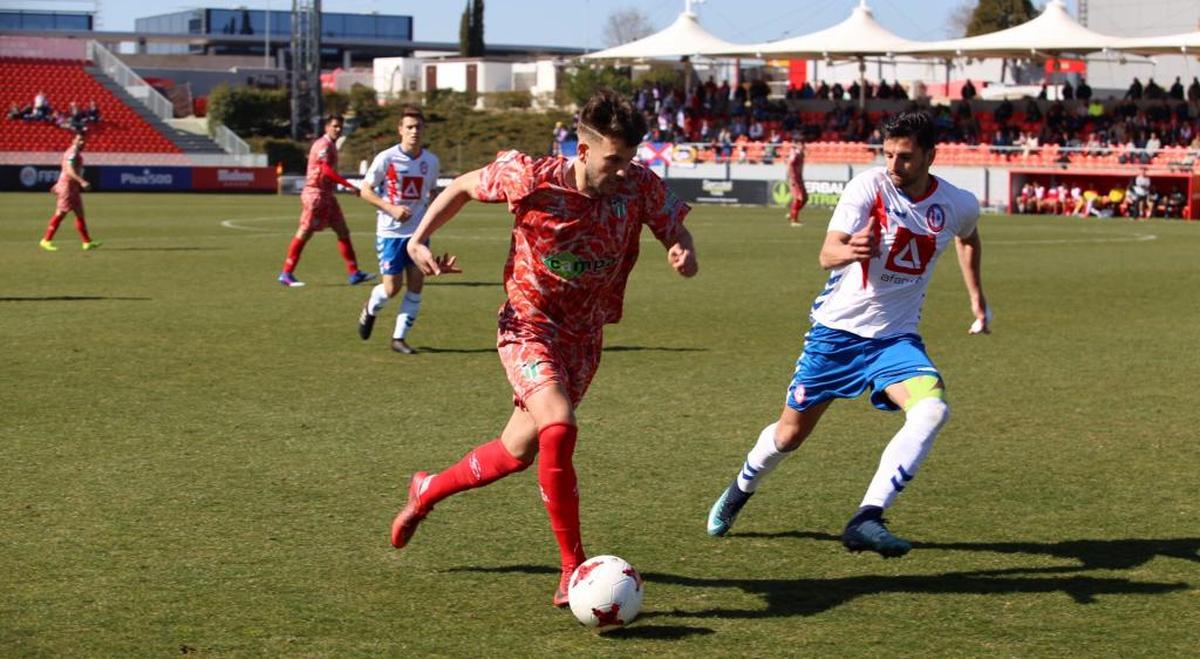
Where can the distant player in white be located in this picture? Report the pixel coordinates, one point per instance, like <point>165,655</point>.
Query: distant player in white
<point>884,238</point>
<point>403,176</point>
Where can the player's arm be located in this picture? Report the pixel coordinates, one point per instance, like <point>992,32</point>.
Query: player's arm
<point>444,207</point>
<point>366,192</point>
<point>841,249</point>
<point>331,174</point>
<point>73,174</point>
<point>970,252</point>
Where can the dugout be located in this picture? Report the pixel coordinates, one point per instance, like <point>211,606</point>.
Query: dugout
<point>1162,182</point>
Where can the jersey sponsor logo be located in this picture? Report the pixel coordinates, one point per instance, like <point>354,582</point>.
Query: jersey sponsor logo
<point>911,252</point>
<point>569,266</point>
<point>618,207</point>
<point>898,212</point>
<point>935,218</point>
<point>411,187</point>
<point>530,370</point>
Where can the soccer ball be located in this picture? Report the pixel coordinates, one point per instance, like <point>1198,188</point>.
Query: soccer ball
<point>605,592</point>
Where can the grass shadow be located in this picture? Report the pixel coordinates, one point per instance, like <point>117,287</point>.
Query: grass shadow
<point>1119,554</point>
<point>165,249</point>
<point>468,284</point>
<point>651,348</point>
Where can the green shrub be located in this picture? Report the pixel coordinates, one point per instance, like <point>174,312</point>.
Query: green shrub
<point>248,111</point>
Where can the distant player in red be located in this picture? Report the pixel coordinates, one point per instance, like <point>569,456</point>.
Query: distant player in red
<point>574,242</point>
<point>795,174</point>
<point>320,206</point>
<point>68,188</point>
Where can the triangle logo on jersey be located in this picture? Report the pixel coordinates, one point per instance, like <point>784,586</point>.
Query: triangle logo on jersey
<point>411,187</point>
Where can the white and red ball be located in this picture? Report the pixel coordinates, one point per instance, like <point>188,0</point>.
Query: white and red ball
<point>605,592</point>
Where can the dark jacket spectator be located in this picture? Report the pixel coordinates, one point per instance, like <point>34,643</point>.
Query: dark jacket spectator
<point>968,90</point>
<point>1083,92</point>
<point>1176,91</point>
<point>1134,93</point>
<point>1193,90</point>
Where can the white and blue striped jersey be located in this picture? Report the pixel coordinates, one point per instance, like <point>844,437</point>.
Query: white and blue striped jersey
<point>882,297</point>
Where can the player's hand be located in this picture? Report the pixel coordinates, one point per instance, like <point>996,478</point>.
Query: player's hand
<point>430,264</point>
<point>400,213</point>
<point>85,185</point>
<point>864,244</point>
<point>683,260</point>
<point>447,264</point>
<point>983,318</point>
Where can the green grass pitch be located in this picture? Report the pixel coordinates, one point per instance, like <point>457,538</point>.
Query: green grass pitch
<point>194,459</point>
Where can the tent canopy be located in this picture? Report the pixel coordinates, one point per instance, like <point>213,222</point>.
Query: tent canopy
<point>858,36</point>
<point>683,37</point>
<point>1171,44</point>
<point>1051,33</point>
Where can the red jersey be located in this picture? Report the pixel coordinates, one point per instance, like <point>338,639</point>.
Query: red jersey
<point>65,183</point>
<point>571,254</point>
<point>323,151</point>
<point>795,164</point>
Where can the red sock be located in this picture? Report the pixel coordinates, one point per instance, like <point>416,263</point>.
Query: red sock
<point>484,464</point>
<point>81,227</point>
<point>293,255</point>
<point>52,227</point>
<point>347,250</point>
<point>560,490</point>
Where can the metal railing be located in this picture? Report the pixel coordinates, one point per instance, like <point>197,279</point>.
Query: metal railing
<point>228,140</point>
<point>124,76</point>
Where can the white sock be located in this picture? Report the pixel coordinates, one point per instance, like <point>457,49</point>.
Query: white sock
<point>760,461</point>
<point>410,306</point>
<point>378,298</point>
<point>907,450</point>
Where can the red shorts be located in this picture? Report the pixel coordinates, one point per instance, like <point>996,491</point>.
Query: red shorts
<point>68,200</point>
<point>535,358</point>
<point>320,210</point>
<point>798,191</point>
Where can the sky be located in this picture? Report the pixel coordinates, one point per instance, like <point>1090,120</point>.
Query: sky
<point>572,22</point>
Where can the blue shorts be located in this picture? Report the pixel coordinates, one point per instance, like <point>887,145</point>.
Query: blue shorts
<point>838,364</point>
<point>393,254</point>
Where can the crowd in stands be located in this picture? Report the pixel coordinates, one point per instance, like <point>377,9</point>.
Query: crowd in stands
<point>1131,128</point>
<point>1138,199</point>
<point>74,118</point>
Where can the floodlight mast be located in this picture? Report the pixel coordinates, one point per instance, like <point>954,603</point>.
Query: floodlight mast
<point>305,69</point>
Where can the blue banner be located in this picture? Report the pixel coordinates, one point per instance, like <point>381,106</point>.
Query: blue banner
<point>145,178</point>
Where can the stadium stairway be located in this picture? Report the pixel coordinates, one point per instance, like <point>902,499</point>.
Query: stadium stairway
<point>187,142</point>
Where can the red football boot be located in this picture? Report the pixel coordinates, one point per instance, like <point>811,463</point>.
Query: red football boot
<point>411,515</point>
<point>564,582</point>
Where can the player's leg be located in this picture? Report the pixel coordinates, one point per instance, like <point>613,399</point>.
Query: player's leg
<point>345,247</point>
<point>81,225</point>
<point>774,443</point>
<point>62,206</point>
<point>310,222</point>
<point>906,380</point>
<point>391,259</point>
<point>410,307</point>
<point>482,465</point>
<point>829,367</point>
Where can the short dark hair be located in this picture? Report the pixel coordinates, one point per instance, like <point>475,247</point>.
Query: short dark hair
<point>332,117</point>
<point>915,125</point>
<point>412,111</point>
<point>613,116</point>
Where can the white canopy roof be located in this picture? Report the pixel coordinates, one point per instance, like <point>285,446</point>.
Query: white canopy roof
<point>1051,33</point>
<point>683,37</point>
<point>1171,44</point>
<point>858,36</point>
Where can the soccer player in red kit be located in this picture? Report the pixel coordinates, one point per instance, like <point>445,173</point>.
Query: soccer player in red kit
<point>574,242</point>
<point>320,206</point>
<point>795,175</point>
<point>68,188</point>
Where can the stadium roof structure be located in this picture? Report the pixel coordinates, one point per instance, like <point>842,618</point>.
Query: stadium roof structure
<point>1051,33</point>
<point>684,37</point>
<point>859,36</point>
<point>1170,44</point>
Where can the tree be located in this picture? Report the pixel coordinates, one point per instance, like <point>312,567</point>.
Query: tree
<point>464,32</point>
<point>477,47</point>
<point>583,80</point>
<point>993,15</point>
<point>625,25</point>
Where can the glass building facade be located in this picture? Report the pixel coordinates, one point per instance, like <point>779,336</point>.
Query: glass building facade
<point>254,22</point>
<point>44,21</point>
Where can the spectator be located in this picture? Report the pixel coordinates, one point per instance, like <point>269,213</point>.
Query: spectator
<point>92,114</point>
<point>1176,91</point>
<point>1153,146</point>
<point>898,91</point>
<point>807,92</point>
<point>823,91</point>
<point>1134,93</point>
<point>1082,91</point>
<point>1139,195</point>
<point>1068,92</point>
<point>968,90</point>
<point>1043,94</point>
<point>41,107</point>
<point>1193,90</point>
<point>16,112</point>
<point>1026,199</point>
<point>837,92</point>
<point>1153,92</point>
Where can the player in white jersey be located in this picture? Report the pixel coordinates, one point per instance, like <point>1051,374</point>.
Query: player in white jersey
<point>884,238</point>
<point>403,176</point>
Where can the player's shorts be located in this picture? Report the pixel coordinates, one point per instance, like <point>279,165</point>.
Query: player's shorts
<point>320,211</point>
<point>536,357</point>
<point>68,200</point>
<point>393,254</point>
<point>839,364</point>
